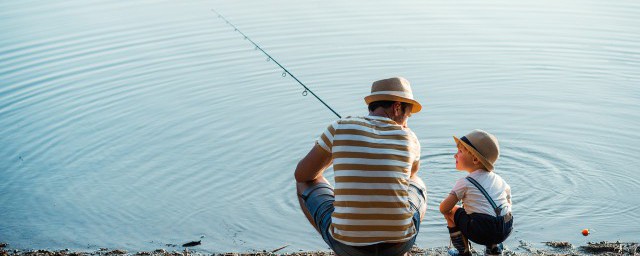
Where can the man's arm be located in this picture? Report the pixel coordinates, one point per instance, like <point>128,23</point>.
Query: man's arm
<point>414,168</point>
<point>313,164</point>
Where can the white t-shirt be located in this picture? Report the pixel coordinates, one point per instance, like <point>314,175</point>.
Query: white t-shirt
<point>474,201</point>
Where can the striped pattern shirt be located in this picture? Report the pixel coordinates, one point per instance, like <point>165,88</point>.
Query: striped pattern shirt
<point>372,160</point>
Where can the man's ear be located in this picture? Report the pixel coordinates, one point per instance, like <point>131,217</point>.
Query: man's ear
<point>397,108</point>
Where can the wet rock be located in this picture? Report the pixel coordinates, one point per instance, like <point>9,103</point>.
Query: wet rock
<point>602,247</point>
<point>3,245</point>
<point>117,252</point>
<point>558,244</point>
<point>43,252</point>
<point>192,243</point>
<point>417,250</point>
<point>610,248</point>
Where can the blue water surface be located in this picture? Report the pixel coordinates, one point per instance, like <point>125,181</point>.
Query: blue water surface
<point>138,125</point>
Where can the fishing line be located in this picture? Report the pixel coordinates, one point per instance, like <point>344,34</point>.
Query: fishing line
<point>285,71</point>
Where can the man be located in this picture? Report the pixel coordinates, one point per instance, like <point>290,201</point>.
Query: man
<point>379,201</point>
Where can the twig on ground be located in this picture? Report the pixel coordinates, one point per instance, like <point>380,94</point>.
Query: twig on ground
<point>285,246</point>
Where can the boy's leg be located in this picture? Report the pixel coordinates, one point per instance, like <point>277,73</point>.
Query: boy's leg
<point>495,249</point>
<point>459,241</point>
<point>450,216</point>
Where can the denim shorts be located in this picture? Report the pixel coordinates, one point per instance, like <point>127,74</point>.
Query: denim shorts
<point>319,201</point>
<point>483,229</point>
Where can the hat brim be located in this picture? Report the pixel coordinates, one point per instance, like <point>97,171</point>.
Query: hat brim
<point>416,107</point>
<point>475,153</point>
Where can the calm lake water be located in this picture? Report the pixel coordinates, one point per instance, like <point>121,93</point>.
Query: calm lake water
<point>139,124</point>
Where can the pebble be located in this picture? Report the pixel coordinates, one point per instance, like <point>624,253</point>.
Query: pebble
<point>192,243</point>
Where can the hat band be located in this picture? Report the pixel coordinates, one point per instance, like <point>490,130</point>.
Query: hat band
<point>464,138</point>
<point>402,94</point>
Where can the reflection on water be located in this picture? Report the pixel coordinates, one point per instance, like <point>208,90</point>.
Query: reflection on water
<point>136,125</point>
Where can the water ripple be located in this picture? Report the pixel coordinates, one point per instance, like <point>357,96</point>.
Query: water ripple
<point>137,122</point>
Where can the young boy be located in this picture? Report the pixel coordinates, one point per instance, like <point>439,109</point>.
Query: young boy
<point>485,217</point>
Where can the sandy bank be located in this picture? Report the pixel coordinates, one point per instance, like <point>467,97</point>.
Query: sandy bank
<point>545,248</point>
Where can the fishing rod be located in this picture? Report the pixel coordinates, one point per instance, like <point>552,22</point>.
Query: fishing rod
<point>285,71</point>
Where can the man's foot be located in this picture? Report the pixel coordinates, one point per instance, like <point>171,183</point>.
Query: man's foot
<point>492,250</point>
<point>460,242</point>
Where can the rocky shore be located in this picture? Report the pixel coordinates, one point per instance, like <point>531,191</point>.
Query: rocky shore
<point>545,248</point>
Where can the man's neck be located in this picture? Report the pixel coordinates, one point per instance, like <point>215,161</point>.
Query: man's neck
<point>379,112</point>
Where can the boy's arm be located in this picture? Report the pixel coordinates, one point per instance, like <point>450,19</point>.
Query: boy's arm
<point>313,164</point>
<point>448,203</point>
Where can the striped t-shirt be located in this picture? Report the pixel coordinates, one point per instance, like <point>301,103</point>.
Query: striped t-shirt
<point>372,160</point>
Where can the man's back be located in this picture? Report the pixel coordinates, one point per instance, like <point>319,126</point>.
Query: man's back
<point>372,160</point>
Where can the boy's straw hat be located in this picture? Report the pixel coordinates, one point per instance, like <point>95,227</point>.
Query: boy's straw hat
<point>393,89</point>
<point>482,145</point>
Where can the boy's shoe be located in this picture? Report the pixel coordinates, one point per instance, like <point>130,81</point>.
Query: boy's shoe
<point>492,250</point>
<point>455,252</point>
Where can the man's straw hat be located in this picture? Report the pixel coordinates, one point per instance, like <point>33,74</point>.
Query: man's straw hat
<point>482,145</point>
<point>393,89</point>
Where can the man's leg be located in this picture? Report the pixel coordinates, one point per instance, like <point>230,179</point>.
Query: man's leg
<point>423,207</point>
<point>300,188</point>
